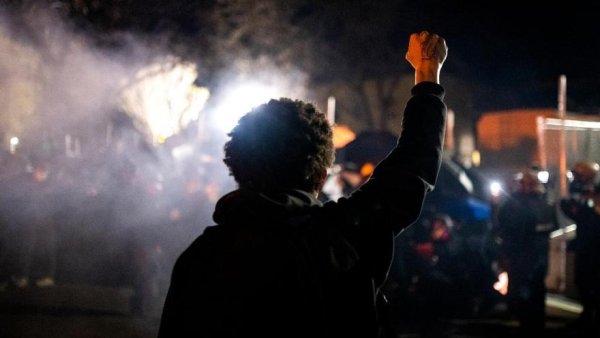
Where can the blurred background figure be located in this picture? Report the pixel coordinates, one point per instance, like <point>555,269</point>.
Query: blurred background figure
<point>582,179</point>
<point>437,283</point>
<point>10,169</point>
<point>36,253</point>
<point>525,220</point>
<point>583,207</point>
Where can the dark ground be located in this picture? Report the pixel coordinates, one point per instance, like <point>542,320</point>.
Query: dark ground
<point>90,311</point>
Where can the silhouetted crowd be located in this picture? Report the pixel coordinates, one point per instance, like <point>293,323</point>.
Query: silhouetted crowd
<point>107,218</point>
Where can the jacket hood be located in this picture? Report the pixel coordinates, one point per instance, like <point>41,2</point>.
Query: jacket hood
<point>247,206</point>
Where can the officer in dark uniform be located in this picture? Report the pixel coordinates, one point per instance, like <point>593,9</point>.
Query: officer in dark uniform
<point>583,207</point>
<point>525,221</point>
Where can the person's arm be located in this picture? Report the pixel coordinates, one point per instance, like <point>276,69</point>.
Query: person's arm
<point>392,198</point>
<point>419,149</point>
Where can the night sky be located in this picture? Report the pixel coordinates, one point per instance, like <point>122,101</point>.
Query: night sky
<point>518,53</point>
<point>512,51</point>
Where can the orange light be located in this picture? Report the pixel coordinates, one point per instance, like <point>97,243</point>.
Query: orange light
<point>367,169</point>
<point>342,135</point>
<point>476,158</point>
<point>502,284</point>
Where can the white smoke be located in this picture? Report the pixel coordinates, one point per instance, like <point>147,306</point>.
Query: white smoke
<point>95,117</point>
<point>56,82</point>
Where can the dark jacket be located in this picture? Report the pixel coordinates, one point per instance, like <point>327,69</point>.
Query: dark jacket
<point>285,265</point>
<point>586,243</point>
<point>525,222</point>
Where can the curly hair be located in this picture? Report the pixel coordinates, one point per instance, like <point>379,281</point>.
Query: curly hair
<point>283,144</point>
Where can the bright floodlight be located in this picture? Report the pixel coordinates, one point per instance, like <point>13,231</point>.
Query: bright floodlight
<point>543,176</point>
<point>239,100</point>
<point>495,188</point>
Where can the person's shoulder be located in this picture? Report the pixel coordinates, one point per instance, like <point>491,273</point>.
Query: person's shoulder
<point>199,244</point>
<point>210,234</point>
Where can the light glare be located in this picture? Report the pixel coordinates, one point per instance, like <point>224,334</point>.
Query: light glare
<point>495,188</point>
<point>239,100</point>
<point>543,176</point>
<point>502,284</point>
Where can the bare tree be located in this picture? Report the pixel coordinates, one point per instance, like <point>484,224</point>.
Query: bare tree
<point>351,42</point>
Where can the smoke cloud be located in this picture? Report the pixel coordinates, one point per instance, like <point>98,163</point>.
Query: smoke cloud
<point>100,148</point>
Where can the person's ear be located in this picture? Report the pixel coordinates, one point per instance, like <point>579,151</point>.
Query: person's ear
<point>321,182</point>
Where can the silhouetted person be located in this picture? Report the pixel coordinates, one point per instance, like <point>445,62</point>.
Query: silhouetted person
<point>280,263</point>
<point>37,230</point>
<point>11,179</point>
<point>525,221</point>
<point>583,207</point>
<point>581,186</point>
<point>434,280</point>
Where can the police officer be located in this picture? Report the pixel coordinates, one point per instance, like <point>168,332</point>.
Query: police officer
<point>583,207</point>
<point>525,220</point>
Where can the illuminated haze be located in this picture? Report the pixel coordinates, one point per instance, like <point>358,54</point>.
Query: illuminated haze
<point>132,144</point>
<point>106,124</point>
